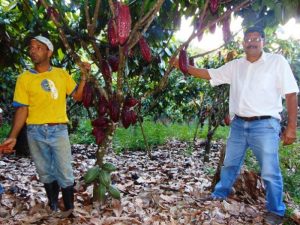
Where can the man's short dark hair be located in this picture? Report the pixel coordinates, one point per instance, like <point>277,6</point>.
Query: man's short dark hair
<point>257,29</point>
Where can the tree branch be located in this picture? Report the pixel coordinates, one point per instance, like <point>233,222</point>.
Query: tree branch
<point>65,40</point>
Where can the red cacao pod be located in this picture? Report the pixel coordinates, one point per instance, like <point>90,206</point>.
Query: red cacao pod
<point>199,27</point>
<point>130,101</point>
<point>126,117</point>
<point>227,120</point>
<point>100,122</point>
<point>128,52</point>
<point>112,34</point>
<point>213,6</point>
<point>123,23</point>
<point>99,135</point>
<point>105,69</point>
<point>102,105</point>
<point>183,61</point>
<point>145,50</point>
<point>226,30</point>
<point>114,63</point>
<point>212,28</point>
<point>133,117</point>
<point>52,11</point>
<point>114,109</point>
<point>87,95</point>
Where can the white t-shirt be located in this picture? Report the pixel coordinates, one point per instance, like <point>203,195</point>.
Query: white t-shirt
<point>256,89</point>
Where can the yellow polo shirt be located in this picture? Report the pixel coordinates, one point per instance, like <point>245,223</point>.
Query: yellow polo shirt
<point>45,95</point>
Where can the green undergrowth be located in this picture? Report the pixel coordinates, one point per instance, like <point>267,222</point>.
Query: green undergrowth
<point>156,134</point>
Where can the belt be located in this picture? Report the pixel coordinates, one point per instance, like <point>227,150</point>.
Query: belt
<point>252,118</point>
<point>54,124</point>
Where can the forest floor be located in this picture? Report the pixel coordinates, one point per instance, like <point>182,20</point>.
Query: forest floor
<point>164,190</point>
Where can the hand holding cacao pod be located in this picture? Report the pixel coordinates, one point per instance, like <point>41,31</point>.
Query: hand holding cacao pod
<point>86,67</point>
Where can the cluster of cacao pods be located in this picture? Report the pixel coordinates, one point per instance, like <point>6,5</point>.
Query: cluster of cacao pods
<point>102,176</point>
<point>145,50</point>
<point>119,27</point>
<point>128,115</point>
<point>213,6</point>
<point>101,123</point>
<point>99,126</point>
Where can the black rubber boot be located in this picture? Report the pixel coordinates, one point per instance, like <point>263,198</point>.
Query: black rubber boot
<point>52,191</point>
<point>68,197</point>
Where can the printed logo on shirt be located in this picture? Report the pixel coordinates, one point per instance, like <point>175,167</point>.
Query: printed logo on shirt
<point>49,86</point>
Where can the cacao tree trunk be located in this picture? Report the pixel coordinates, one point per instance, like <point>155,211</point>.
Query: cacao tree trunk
<point>217,175</point>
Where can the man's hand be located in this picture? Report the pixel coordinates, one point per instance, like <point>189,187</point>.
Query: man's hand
<point>174,62</point>
<point>87,68</point>
<point>289,135</point>
<point>7,146</point>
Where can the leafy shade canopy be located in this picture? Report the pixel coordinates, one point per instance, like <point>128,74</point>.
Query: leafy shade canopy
<point>22,19</point>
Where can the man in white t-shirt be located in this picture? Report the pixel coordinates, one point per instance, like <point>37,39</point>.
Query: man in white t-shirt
<point>258,82</point>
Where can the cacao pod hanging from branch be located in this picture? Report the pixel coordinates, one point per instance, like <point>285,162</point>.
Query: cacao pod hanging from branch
<point>112,34</point>
<point>183,61</point>
<point>123,19</point>
<point>145,50</point>
<point>213,6</point>
<point>227,36</point>
<point>87,95</point>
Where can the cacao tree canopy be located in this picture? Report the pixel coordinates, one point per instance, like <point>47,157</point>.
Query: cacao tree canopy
<point>21,19</point>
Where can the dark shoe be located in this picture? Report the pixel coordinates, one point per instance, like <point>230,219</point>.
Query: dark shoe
<point>52,191</point>
<point>273,219</point>
<point>68,197</point>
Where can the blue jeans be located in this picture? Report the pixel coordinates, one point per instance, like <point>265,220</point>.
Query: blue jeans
<point>262,136</point>
<point>51,152</point>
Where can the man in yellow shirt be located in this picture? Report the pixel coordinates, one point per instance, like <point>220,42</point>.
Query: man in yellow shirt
<point>40,101</point>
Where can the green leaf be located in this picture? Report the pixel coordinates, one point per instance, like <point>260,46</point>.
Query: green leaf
<point>61,55</point>
<point>10,6</point>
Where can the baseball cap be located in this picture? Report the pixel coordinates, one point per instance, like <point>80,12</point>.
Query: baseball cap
<point>45,41</point>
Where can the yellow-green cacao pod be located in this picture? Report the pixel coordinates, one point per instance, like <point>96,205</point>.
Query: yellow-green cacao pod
<point>91,174</point>
<point>104,178</point>
<point>114,192</point>
<point>101,192</point>
<point>109,167</point>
